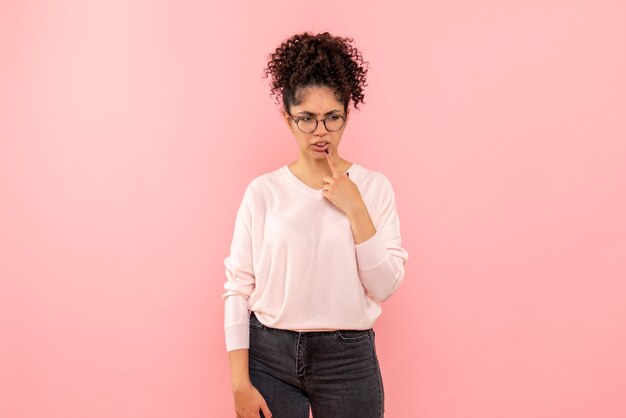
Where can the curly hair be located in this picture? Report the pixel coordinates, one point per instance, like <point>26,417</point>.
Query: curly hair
<point>306,60</point>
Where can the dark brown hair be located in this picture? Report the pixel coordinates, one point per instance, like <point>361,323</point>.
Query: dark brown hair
<point>306,60</point>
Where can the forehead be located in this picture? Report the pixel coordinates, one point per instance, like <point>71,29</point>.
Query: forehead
<point>317,101</point>
<point>308,112</point>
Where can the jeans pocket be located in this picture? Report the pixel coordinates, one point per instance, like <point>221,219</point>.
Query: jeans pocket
<point>254,321</point>
<point>352,335</point>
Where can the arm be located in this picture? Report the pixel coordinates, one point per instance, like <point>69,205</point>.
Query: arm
<point>362,225</point>
<point>380,255</point>
<point>240,279</point>
<point>240,282</point>
<point>240,376</point>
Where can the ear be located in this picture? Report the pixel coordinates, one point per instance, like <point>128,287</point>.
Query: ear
<point>287,121</point>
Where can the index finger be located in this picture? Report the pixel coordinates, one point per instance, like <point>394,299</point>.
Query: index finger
<point>332,164</point>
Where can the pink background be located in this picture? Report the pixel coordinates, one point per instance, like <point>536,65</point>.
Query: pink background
<point>129,129</point>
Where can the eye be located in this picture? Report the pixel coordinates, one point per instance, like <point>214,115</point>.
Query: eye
<point>305,118</point>
<point>334,117</point>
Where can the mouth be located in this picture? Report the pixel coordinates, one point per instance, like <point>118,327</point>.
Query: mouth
<point>320,146</point>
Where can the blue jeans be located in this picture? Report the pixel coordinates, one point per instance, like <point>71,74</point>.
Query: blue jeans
<point>335,372</point>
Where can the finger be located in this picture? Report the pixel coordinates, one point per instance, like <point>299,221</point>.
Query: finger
<point>331,163</point>
<point>266,410</point>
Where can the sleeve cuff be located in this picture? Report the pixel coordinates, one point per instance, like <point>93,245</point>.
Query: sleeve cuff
<point>371,253</point>
<point>237,336</point>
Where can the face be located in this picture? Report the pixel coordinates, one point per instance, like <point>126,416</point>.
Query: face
<point>320,103</point>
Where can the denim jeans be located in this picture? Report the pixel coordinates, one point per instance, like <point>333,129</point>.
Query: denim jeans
<point>336,373</point>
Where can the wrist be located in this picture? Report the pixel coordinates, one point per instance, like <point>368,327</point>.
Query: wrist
<point>240,384</point>
<point>357,211</point>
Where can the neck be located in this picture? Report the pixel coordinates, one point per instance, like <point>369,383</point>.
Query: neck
<point>316,167</point>
<point>313,170</point>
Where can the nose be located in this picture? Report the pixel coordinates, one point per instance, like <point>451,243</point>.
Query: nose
<point>320,125</point>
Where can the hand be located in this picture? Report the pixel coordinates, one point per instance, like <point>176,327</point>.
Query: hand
<point>248,401</point>
<point>340,190</point>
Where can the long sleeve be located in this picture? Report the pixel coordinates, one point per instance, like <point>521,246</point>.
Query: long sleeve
<point>381,258</point>
<point>240,279</point>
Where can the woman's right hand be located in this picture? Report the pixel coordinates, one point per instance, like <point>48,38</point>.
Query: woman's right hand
<point>248,402</point>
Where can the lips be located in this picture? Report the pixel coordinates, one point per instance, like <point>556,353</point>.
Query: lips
<point>320,146</point>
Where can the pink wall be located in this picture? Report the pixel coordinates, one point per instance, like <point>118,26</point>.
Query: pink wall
<point>128,130</point>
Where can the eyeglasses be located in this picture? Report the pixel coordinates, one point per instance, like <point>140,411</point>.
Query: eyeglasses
<point>308,124</point>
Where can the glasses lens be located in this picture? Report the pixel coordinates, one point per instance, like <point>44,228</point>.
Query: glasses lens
<point>334,123</point>
<point>306,124</point>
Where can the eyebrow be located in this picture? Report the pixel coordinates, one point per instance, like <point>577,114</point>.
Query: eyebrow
<point>305,112</point>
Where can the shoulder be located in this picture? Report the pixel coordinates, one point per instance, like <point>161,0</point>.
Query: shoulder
<point>259,185</point>
<point>373,180</point>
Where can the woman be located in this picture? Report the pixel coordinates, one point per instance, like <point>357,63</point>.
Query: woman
<point>316,249</point>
